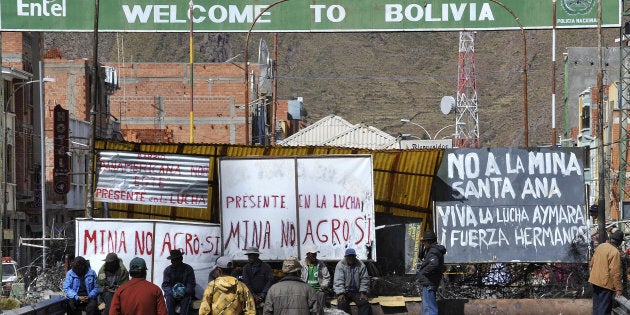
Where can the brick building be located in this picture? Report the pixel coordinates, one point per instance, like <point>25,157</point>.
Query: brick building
<point>153,104</point>
<point>145,102</point>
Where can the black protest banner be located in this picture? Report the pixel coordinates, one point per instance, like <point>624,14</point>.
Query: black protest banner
<point>511,204</point>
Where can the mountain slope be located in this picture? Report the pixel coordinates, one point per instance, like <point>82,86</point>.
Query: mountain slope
<point>379,78</point>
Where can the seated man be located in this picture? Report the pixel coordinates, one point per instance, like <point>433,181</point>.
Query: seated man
<point>178,284</point>
<point>352,283</point>
<point>80,287</point>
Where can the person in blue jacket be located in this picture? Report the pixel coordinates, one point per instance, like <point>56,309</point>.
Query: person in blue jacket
<point>80,287</point>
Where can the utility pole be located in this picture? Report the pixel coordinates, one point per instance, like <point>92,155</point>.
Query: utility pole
<point>601,203</point>
<point>90,176</point>
<point>4,157</point>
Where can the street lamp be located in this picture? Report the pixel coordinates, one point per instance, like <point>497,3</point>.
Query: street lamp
<point>407,121</point>
<point>246,56</point>
<point>43,159</point>
<point>459,123</point>
<point>5,151</point>
<point>525,113</point>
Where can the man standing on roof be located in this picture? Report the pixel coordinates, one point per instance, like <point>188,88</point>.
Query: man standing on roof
<point>352,283</point>
<point>315,274</point>
<point>258,277</point>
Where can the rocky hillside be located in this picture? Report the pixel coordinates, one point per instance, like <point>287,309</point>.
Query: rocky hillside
<point>379,78</point>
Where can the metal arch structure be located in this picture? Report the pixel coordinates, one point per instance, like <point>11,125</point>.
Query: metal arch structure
<point>624,109</point>
<point>466,114</point>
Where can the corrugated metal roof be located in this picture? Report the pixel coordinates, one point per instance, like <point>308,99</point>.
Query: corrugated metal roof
<point>402,178</point>
<point>335,131</point>
<point>318,132</point>
<point>363,136</point>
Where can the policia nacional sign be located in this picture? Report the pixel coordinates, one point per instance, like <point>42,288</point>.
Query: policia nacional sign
<point>302,16</point>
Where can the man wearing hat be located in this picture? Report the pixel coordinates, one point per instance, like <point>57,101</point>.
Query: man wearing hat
<point>258,277</point>
<point>315,273</point>
<point>291,296</point>
<point>111,275</point>
<point>352,283</point>
<point>225,294</point>
<point>430,270</point>
<point>138,296</point>
<point>178,284</point>
<point>605,273</point>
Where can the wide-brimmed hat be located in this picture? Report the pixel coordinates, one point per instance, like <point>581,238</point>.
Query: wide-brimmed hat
<point>252,250</point>
<point>175,253</point>
<point>137,264</point>
<point>429,236</point>
<point>311,249</point>
<point>111,257</point>
<point>291,265</point>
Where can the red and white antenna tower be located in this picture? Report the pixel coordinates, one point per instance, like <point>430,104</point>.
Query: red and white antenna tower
<point>466,118</point>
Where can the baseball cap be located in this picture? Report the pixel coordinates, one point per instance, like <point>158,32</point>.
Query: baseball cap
<point>311,249</point>
<point>224,262</point>
<point>350,251</point>
<point>111,257</point>
<point>137,264</point>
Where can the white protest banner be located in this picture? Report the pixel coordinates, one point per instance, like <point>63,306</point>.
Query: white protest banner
<point>336,205</point>
<point>258,203</point>
<point>152,179</point>
<point>284,204</point>
<point>151,240</point>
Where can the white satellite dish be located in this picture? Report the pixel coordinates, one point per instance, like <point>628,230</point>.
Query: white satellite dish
<point>447,104</point>
<point>266,68</point>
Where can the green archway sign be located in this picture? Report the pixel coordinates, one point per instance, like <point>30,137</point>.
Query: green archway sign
<point>302,15</point>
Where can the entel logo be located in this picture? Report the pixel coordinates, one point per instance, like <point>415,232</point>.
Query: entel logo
<point>42,8</point>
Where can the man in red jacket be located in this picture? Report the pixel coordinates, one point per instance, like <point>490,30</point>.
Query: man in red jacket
<point>605,274</point>
<point>138,296</point>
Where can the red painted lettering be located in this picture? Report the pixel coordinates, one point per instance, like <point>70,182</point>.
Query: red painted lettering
<point>308,232</point>
<point>288,234</point>
<point>144,242</point>
<point>89,238</point>
<point>321,237</point>
<point>358,225</point>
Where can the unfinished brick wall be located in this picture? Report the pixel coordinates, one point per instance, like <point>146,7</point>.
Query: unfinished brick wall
<point>157,96</point>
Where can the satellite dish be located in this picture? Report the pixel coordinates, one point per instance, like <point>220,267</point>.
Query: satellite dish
<point>447,104</point>
<point>265,63</point>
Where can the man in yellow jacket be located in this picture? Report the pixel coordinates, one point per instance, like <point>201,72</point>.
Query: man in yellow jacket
<point>605,275</point>
<point>226,295</point>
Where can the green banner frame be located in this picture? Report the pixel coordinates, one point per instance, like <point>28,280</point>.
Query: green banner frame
<point>303,16</point>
